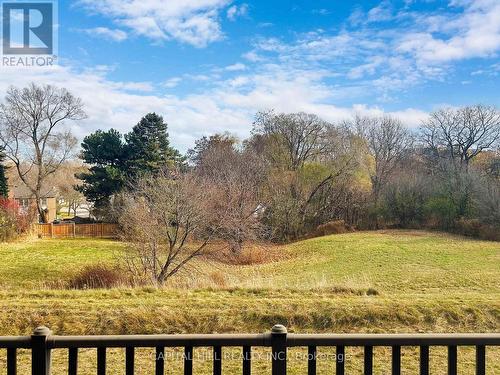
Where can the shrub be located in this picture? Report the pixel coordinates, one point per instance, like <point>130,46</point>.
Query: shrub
<point>255,255</point>
<point>468,227</point>
<point>12,221</point>
<point>249,254</point>
<point>490,232</point>
<point>332,227</point>
<point>98,277</point>
<point>442,211</point>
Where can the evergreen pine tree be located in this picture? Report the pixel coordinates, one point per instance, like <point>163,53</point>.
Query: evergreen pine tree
<point>148,147</point>
<point>104,151</point>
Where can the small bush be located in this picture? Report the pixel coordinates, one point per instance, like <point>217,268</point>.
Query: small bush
<point>98,277</point>
<point>332,227</point>
<point>475,228</point>
<point>489,232</point>
<point>251,253</point>
<point>468,227</point>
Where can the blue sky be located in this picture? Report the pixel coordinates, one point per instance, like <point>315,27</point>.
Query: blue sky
<point>208,65</point>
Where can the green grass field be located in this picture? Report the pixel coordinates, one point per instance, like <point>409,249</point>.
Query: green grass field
<point>393,281</point>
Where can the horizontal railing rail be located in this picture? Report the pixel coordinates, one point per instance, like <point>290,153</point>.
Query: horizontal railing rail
<point>42,342</point>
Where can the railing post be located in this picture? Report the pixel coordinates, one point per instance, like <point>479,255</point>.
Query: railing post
<point>40,353</point>
<point>279,349</point>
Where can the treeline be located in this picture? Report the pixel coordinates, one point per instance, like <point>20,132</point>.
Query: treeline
<point>296,176</point>
<point>297,173</point>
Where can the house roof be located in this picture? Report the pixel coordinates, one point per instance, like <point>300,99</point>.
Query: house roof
<point>23,192</point>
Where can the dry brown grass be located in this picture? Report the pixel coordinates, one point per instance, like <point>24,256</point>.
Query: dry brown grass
<point>251,254</point>
<point>98,277</point>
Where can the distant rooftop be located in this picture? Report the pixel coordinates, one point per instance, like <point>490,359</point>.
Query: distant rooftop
<point>23,192</point>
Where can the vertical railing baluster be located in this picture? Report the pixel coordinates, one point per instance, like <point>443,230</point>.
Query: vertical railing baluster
<point>73,361</point>
<point>340,360</point>
<point>188,360</point>
<point>480,360</point>
<point>368,360</point>
<point>279,349</point>
<point>247,360</point>
<point>40,353</point>
<point>129,360</point>
<point>217,360</point>
<point>101,361</point>
<point>396,360</point>
<point>424,360</point>
<point>11,361</point>
<point>160,361</point>
<point>311,360</point>
<point>452,360</point>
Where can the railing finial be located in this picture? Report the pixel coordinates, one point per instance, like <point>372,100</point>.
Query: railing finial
<point>42,331</point>
<point>279,329</point>
<point>40,357</point>
<point>279,349</point>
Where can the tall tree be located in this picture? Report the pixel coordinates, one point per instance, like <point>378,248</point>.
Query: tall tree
<point>4,186</point>
<point>460,135</point>
<point>33,134</point>
<point>105,152</point>
<point>235,175</point>
<point>148,147</point>
<point>295,137</point>
<point>387,141</point>
<point>307,157</point>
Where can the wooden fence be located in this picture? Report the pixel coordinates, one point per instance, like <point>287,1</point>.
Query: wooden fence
<point>42,343</point>
<point>67,230</point>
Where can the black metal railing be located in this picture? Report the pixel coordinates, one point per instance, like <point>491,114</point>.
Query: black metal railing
<point>42,342</point>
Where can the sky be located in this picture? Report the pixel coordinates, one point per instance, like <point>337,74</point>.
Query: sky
<point>208,66</point>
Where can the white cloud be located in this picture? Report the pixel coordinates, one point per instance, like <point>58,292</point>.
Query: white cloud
<point>195,22</point>
<point>252,56</point>
<point>172,82</point>
<point>229,105</point>
<point>116,35</point>
<point>321,12</point>
<point>415,47</point>
<point>235,67</point>
<point>236,11</point>
<point>473,33</point>
<point>382,12</point>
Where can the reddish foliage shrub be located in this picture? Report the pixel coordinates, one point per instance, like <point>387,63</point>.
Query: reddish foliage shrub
<point>13,221</point>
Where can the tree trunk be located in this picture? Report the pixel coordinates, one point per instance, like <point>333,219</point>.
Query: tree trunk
<point>41,211</point>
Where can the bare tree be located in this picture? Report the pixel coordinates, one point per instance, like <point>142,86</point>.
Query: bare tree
<point>297,135</point>
<point>236,174</point>
<point>168,221</point>
<point>31,122</point>
<point>387,141</point>
<point>461,134</point>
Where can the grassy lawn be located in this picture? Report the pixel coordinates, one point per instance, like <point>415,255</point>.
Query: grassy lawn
<point>36,263</point>
<point>393,281</point>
